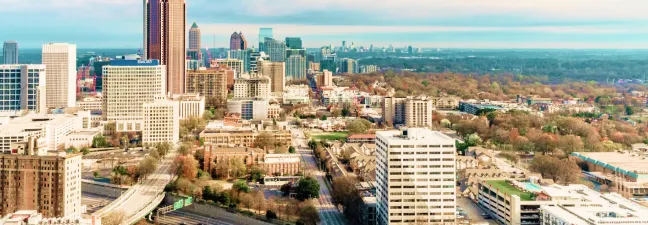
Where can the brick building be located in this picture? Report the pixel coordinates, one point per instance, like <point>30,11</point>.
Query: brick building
<point>282,164</point>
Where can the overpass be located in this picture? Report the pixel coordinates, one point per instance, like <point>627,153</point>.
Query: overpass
<point>143,197</point>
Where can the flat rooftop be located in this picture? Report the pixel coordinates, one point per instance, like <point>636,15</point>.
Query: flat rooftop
<point>597,208</point>
<point>632,164</point>
<point>420,134</point>
<point>509,189</point>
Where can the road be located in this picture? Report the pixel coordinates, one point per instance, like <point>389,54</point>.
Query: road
<point>177,217</point>
<point>94,202</point>
<point>143,193</point>
<point>329,215</point>
<point>473,211</point>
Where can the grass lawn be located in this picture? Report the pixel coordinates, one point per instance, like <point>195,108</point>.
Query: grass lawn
<point>507,188</point>
<point>330,136</point>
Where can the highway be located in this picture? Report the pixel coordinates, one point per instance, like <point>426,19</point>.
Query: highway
<point>329,215</point>
<point>144,193</point>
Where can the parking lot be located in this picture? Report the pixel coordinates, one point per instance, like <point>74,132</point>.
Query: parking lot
<point>473,212</point>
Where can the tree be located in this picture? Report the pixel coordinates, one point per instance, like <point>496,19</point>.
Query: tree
<point>265,141</point>
<point>99,141</point>
<point>324,117</point>
<point>183,149</point>
<point>147,166</point>
<point>309,215</point>
<point>241,186</point>
<point>346,112</point>
<point>307,188</point>
<point>570,143</point>
<point>163,148</point>
<point>629,110</point>
<point>114,218</point>
<point>343,191</point>
<point>359,126</point>
<point>185,167</point>
<point>207,115</point>
<point>285,189</point>
<point>291,149</point>
<point>270,215</point>
<point>256,173</point>
<point>85,150</point>
<point>562,171</point>
<point>154,153</point>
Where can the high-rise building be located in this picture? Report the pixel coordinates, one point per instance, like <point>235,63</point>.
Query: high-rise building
<point>275,49</point>
<point>234,64</point>
<point>194,43</point>
<point>277,73</point>
<point>128,85</point>
<point>349,66</point>
<point>211,83</point>
<point>244,56</point>
<point>238,41</point>
<point>325,79</point>
<point>296,67</point>
<point>263,34</point>
<point>60,61</point>
<point>410,49</point>
<point>255,57</point>
<point>161,121</point>
<point>294,43</point>
<point>47,183</point>
<point>164,39</point>
<point>97,67</point>
<point>415,173</point>
<point>10,52</point>
<point>368,68</point>
<point>329,64</point>
<point>252,87</point>
<point>313,67</point>
<point>23,88</point>
<point>410,111</point>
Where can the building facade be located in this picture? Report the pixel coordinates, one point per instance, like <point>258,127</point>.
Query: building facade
<point>277,73</point>
<point>415,177</point>
<point>164,39</point>
<point>244,56</point>
<point>210,83</point>
<point>249,108</point>
<point>252,87</point>
<point>294,42</point>
<point>296,94</point>
<point>128,85</point>
<point>49,184</point>
<point>23,88</point>
<point>410,111</point>
<point>238,41</point>
<point>296,67</point>
<point>349,66</point>
<point>275,49</point>
<point>325,79</point>
<point>264,32</point>
<point>234,64</point>
<point>10,52</point>
<point>161,121</point>
<point>194,43</point>
<point>190,105</point>
<point>60,61</point>
<point>50,129</point>
<point>313,67</point>
<point>242,137</point>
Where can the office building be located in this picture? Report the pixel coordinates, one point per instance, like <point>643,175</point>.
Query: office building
<point>49,184</point>
<point>210,83</point>
<point>263,34</point>
<point>60,61</point>
<point>349,66</point>
<point>249,108</point>
<point>368,68</point>
<point>238,41</point>
<point>32,217</point>
<point>10,52</point>
<point>410,111</point>
<point>596,209</point>
<point>252,87</point>
<point>161,121</point>
<point>192,64</point>
<point>313,67</point>
<point>90,104</point>
<point>234,64</point>
<point>190,105</point>
<point>164,39</point>
<point>415,177</point>
<point>626,172</point>
<point>23,88</point>
<point>299,52</point>
<point>244,56</point>
<point>329,64</point>
<point>242,137</point>
<point>277,73</point>
<point>97,69</point>
<point>294,43</point>
<point>194,43</point>
<point>296,94</point>
<point>50,129</point>
<point>128,85</point>
<point>255,57</point>
<point>275,49</point>
<point>325,79</point>
<point>296,67</point>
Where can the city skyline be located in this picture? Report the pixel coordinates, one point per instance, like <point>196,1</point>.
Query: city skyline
<point>501,24</point>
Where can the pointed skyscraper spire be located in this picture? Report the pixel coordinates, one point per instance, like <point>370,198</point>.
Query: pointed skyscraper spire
<point>194,25</point>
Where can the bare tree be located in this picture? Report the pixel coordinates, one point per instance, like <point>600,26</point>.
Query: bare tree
<point>114,218</point>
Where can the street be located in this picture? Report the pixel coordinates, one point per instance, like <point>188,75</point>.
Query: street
<point>473,211</point>
<point>329,215</point>
<point>177,217</point>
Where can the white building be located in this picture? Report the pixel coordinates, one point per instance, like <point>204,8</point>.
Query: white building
<point>235,64</point>
<point>252,87</point>
<point>32,217</point>
<point>161,122</point>
<point>23,88</point>
<point>80,139</point>
<point>90,104</point>
<point>60,60</point>
<point>338,95</point>
<point>50,129</point>
<point>249,109</point>
<point>191,104</point>
<point>296,94</point>
<point>416,177</point>
<point>596,209</point>
<point>128,85</point>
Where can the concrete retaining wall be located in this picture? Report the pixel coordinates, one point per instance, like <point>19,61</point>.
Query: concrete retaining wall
<point>97,188</point>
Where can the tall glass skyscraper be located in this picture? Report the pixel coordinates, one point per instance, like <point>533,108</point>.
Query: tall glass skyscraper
<point>276,50</point>
<point>10,52</point>
<point>263,34</point>
<point>294,43</point>
<point>296,67</point>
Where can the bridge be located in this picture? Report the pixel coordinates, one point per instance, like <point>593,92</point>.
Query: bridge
<point>143,197</point>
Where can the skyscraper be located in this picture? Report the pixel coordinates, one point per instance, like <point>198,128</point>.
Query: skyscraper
<point>263,34</point>
<point>415,173</point>
<point>294,43</point>
<point>60,61</point>
<point>277,73</point>
<point>194,43</point>
<point>10,52</point>
<point>244,56</point>
<point>276,49</point>
<point>238,41</point>
<point>164,39</point>
<point>296,67</point>
<point>23,88</point>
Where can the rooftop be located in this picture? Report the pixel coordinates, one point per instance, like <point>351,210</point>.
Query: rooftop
<point>420,134</point>
<point>634,164</point>
<point>598,208</point>
<point>151,62</point>
<point>362,136</point>
<point>504,187</point>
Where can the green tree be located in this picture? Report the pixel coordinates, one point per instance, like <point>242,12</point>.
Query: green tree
<point>307,188</point>
<point>147,166</point>
<point>324,117</point>
<point>309,215</point>
<point>346,112</point>
<point>359,126</point>
<point>85,150</point>
<point>183,149</point>
<point>241,186</point>
<point>256,173</point>
<point>629,110</point>
<point>99,141</point>
<point>291,149</point>
<point>271,215</point>
<point>208,115</point>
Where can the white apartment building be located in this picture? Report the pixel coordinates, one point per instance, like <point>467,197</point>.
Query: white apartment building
<point>23,88</point>
<point>338,95</point>
<point>60,60</point>
<point>410,111</point>
<point>416,177</point>
<point>191,104</point>
<point>128,85</point>
<point>161,122</point>
<point>50,129</point>
<point>252,87</point>
<point>296,94</point>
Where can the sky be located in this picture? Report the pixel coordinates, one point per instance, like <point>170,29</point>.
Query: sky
<point>420,23</point>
